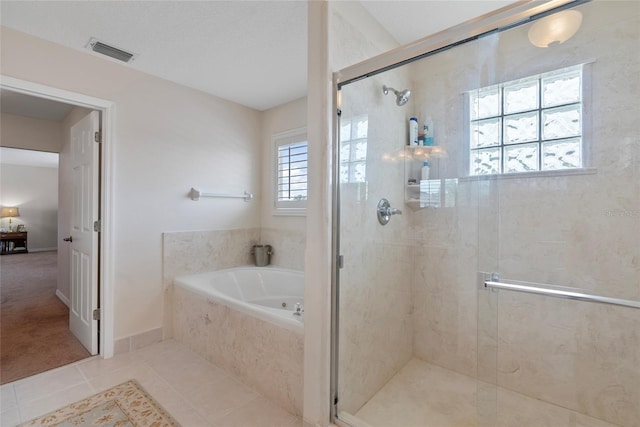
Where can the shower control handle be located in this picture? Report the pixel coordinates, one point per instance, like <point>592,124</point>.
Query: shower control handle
<point>384,211</point>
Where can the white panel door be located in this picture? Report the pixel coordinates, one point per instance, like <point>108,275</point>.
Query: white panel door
<point>84,240</point>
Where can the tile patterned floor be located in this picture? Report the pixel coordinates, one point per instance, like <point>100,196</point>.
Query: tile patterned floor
<point>194,391</point>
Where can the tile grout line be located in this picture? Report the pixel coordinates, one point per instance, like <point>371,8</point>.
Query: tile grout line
<point>15,397</point>
<point>178,393</point>
<point>86,380</point>
<point>66,388</point>
<point>33,379</point>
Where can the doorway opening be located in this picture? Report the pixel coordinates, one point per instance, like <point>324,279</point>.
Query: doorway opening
<point>49,272</point>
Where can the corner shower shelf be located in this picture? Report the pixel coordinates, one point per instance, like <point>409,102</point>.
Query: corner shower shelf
<point>414,156</point>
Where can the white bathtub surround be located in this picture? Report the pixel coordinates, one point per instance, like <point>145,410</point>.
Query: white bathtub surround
<point>275,295</point>
<point>199,251</point>
<point>191,252</point>
<point>288,246</point>
<point>262,353</point>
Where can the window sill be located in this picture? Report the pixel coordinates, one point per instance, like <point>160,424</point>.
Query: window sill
<point>537,174</point>
<point>289,212</point>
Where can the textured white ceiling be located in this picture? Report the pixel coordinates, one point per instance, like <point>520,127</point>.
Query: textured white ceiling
<point>411,20</point>
<point>250,52</point>
<point>29,106</point>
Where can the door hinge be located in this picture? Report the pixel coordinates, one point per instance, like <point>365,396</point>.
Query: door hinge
<point>97,136</point>
<point>97,226</point>
<point>340,261</point>
<point>96,314</point>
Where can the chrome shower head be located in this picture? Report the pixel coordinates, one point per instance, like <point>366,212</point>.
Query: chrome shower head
<point>402,97</point>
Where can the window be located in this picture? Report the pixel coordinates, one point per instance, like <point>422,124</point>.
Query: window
<point>526,125</point>
<point>291,151</point>
<point>353,149</point>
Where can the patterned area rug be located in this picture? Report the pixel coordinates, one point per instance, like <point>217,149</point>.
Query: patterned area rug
<point>125,405</point>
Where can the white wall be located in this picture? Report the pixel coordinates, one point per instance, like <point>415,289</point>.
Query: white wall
<point>30,133</point>
<point>168,139</point>
<point>35,191</point>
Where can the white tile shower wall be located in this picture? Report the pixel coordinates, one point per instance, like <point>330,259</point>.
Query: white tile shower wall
<point>375,283</point>
<point>193,252</point>
<point>576,231</point>
<point>262,355</point>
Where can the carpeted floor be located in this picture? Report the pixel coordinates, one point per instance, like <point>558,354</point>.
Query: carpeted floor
<point>34,323</point>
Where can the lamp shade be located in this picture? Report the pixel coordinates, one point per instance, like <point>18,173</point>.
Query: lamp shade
<point>556,28</point>
<point>9,212</point>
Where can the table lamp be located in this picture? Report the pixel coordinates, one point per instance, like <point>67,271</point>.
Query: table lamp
<point>9,213</point>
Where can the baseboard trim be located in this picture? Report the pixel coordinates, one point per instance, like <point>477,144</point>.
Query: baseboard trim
<point>135,342</point>
<point>43,249</point>
<point>62,298</point>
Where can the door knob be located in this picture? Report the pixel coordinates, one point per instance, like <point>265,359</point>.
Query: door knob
<point>68,239</point>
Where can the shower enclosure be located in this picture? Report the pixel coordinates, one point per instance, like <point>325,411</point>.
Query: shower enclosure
<point>503,289</point>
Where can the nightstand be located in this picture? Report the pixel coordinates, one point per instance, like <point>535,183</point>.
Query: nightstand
<point>14,242</point>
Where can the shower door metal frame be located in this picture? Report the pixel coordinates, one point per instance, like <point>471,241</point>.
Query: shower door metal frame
<point>513,15</point>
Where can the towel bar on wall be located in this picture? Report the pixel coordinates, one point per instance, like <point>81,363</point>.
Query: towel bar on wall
<point>558,293</point>
<point>196,194</point>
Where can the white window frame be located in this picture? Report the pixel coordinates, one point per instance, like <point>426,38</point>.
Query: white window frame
<point>288,207</point>
<point>584,136</point>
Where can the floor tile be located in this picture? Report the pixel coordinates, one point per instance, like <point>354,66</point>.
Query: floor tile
<point>35,408</point>
<point>176,405</point>
<point>98,366</point>
<point>195,392</point>
<point>10,417</point>
<point>193,373</point>
<point>138,371</point>
<point>48,383</point>
<point>259,412</point>
<point>7,397</point>
<point>217,399</point>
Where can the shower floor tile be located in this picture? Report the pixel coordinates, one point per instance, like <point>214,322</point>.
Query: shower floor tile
<point>425,395</point>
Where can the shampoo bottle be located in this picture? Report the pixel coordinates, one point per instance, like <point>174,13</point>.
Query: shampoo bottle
<point>428,132</point>
<point>425,171</point>
<point>413,131</point>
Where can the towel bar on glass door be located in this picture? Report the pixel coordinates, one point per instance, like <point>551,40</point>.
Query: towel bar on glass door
<point>196,194</point>
<point>558,293</point>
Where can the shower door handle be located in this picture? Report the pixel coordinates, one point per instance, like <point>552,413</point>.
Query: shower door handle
<point>384,211</point>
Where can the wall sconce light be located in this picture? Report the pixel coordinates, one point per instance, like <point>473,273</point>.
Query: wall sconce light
<point>556,28</point>
<point>7,212</point>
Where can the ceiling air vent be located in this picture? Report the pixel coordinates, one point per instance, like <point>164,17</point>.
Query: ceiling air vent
<point>110,51</point>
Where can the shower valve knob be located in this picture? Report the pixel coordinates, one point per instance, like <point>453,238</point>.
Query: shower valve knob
<point>385,211</point>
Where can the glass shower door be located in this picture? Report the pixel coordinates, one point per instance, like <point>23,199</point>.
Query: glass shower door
<point>534,180</point>
<point>558,322</point>
<point>374,292</point>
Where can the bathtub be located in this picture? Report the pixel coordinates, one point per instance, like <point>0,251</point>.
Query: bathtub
<point>242,320</point>
<point>268,293</point>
